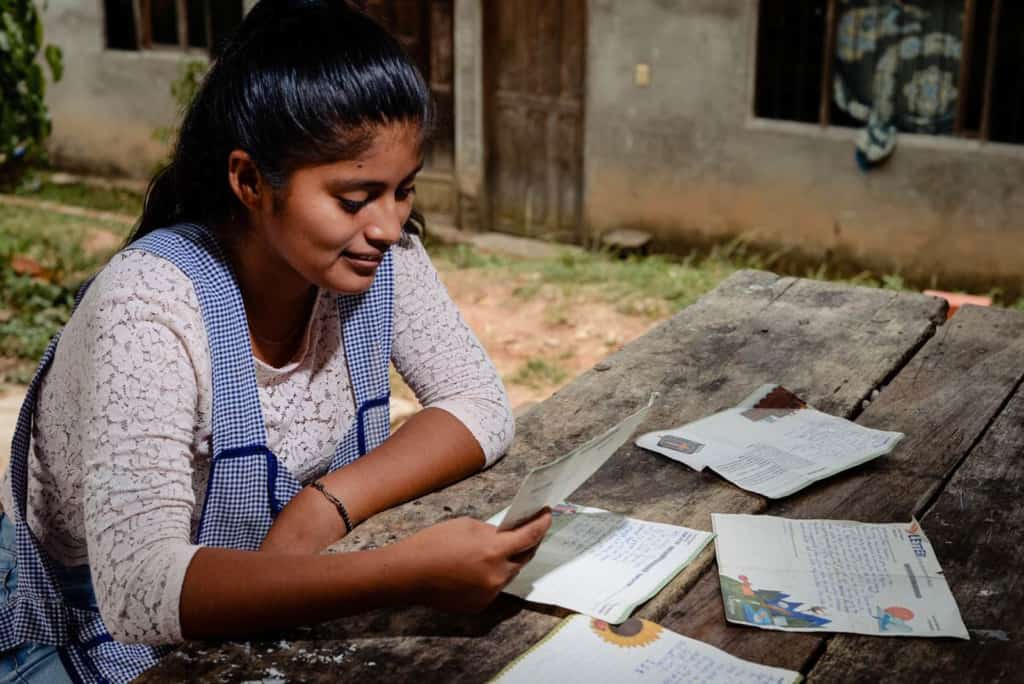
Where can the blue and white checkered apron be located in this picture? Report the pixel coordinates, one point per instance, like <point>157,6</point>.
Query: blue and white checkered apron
<point>246,488</point>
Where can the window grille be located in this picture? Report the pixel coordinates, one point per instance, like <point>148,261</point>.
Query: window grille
<point>796,63</point>
<point>169,24</point>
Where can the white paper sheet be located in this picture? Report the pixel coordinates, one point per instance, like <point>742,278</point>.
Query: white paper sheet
<point>833,576</point>
<point>772,443</point>
<point>552,484</point>
<point>583,650</point>
<point>603,564</point>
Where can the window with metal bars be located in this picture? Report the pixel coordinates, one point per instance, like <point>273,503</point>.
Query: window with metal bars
<point>170,24</point>
<point>797,63</point>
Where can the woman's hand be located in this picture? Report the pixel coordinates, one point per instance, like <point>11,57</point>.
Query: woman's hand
<point>461,565</point>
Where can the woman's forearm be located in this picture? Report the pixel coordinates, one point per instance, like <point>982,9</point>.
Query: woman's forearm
<point>432,449</point>
<point>458,565</point>
<point>230,593</point>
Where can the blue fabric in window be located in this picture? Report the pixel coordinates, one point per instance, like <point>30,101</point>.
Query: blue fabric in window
<point>897,66</point>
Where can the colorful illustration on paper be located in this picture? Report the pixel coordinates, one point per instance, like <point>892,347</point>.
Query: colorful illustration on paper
<point>631,633</point>
<point>744,603</point>
<point>894,619</point>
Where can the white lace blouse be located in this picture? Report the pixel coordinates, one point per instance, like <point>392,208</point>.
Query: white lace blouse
<point>122,437</point>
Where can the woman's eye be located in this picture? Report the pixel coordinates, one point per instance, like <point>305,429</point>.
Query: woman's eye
<point>403,193</point>
<point>352,206</point>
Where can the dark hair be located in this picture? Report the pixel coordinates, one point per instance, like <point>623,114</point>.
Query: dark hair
<point>301,82</point>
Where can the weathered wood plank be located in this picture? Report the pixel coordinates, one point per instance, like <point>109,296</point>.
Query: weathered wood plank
<point>380,646</point>
<point>944,400</point>
<point>832,344</point>
<point>976,528</point>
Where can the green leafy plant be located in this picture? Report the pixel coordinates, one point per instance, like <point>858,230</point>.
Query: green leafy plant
<point>24,119</point>
<point>183,90</point>
<point>42,265</point>
<point>37,295</point>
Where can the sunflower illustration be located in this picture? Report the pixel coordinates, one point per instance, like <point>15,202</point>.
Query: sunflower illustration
<point>633,632</point>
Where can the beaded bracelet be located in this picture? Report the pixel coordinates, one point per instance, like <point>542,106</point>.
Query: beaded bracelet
<point>342,511</point>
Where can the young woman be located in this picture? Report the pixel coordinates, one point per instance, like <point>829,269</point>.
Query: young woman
<point>215,412</point>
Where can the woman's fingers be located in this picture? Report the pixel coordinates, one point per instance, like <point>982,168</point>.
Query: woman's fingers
<point>527,536</point>
<point>463,564</point>
<point>524,557</point>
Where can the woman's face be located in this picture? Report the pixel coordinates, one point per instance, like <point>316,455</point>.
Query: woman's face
<point>332,223</point>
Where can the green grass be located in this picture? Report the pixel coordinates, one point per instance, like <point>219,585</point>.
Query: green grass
<point>81,195</point>
<point>52,228</point>
<point>651,286</point>
<point>34,307</point>
<point>462,257</point>
<point>537,373</point>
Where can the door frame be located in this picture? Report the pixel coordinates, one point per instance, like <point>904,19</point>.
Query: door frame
<point>485,103</point>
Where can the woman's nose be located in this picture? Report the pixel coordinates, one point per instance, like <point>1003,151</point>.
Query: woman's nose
<point>385,225</point>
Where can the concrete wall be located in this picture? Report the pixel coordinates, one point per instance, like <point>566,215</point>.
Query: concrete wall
<point>109,102</point>
<point>684,159</point>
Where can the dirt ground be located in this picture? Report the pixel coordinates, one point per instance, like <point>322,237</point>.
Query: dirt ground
<point>567,333</point>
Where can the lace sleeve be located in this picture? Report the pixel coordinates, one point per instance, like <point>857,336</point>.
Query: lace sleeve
<point>441,359</point>
<point>129,355</point>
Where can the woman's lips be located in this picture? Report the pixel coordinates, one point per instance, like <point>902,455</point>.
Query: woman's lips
<point>364,264</point>
<point>375,257</point>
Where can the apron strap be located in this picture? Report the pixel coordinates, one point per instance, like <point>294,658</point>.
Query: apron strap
<point>23,433</point>
<point>367,324</point>
<point>237,417</point>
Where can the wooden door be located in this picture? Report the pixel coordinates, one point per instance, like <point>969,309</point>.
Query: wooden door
<point>424,29</point>
<point>534,66</point>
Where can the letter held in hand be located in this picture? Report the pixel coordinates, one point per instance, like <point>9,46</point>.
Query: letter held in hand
<point>551,484</point>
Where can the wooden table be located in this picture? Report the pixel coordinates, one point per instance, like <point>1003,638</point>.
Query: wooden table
<point>886,359</point>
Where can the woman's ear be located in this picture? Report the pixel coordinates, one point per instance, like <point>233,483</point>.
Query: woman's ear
<point>245,179</point>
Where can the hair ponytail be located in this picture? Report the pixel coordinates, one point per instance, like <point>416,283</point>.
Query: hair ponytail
<point>301,82</point>
<point>161,206</point>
